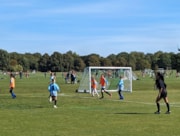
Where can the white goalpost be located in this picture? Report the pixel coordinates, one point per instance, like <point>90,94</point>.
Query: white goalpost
<point>112,75</point>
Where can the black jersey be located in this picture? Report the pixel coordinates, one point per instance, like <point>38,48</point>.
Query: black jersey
<point>160,84</point>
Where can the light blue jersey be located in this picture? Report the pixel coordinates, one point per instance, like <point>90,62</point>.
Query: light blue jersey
<point>53,89</point>
<point>121,84</point>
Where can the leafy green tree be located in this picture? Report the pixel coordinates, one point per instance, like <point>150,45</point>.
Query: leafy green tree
<point>33,60</point>
<point>139,58</point>
<point>4,60</point>
<point>164,60</point>
<point>148,58</point>
<point>155,59</point>
<point>177,65</point>
<point>93,60</point>
<point>105,62</point>
<point>124,59</point>
<point>131,61</point>
<point>79,64</point>
<point>68,62</point>
<point>113,59</point>
<point>44,63</point>
<point>125,55</point>
<point>174,59</point>
<point>24,61</point>
<point>56,61</point>
<point>18,68</point>
<point>13,63</point>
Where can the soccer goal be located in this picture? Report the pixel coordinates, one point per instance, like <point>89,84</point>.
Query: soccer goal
<point>112,75</point>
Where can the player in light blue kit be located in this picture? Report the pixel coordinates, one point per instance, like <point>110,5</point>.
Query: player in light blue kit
<point>121,88</point>
<point>54,89</point>
<point>52,76</point>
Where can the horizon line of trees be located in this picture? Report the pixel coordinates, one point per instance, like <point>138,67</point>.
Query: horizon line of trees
<point>58,62</point>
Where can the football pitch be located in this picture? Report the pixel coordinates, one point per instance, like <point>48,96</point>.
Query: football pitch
<point>80,114</point>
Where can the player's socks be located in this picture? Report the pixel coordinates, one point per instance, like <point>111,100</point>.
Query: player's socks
<point>167,104</point>
<point>13,95</point>
<point>102,95</point>
<point>121,97</point>
<point>158,106</point>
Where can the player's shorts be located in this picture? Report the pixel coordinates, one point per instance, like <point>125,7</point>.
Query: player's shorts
<point>54,97</point>
<point>120,90</point>
<point>163,94</point>
<point>102,89</point>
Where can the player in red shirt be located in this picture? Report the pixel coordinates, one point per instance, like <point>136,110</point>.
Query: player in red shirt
<point>103,86</point>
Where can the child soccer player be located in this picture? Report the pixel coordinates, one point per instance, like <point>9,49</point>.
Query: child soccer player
<point>54,89</point>
<point>12,86</point>
<point>52,77</point>
<point>94,86</point>
<point>121,88</point>
<point>162,93</point>
<point>103,86</point>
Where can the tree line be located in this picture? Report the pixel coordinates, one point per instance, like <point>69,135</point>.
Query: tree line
<point>59,62</point>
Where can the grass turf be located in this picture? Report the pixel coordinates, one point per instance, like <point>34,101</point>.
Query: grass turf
<point>79,114</point>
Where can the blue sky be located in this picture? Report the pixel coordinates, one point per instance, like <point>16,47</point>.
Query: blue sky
<point>103,27</point>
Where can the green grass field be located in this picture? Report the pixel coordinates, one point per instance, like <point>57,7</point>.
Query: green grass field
<point>79,114</point>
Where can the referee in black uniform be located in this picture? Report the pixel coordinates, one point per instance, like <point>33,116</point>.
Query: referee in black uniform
<point>161,86</point>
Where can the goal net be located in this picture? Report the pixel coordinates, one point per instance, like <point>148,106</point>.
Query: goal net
<point>112,75</point>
